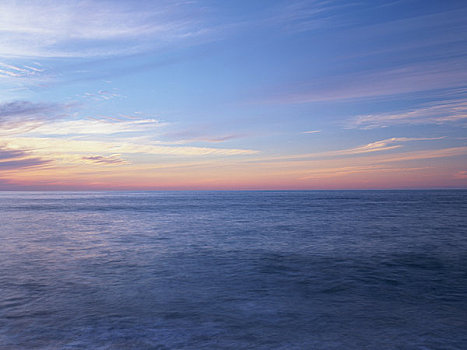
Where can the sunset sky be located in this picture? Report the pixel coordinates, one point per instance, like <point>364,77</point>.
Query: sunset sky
<point>257,94</point>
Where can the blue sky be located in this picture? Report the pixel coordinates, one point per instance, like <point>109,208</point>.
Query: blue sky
<point>233,94</point>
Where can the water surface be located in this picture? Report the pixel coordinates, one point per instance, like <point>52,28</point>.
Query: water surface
<point>233,270</point>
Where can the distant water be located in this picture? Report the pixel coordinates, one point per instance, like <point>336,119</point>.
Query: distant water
<point>234,270</point>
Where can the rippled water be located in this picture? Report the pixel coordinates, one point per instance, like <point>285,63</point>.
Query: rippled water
<point>233,270</point>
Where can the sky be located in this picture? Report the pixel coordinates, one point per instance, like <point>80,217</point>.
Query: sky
<point>233,95</point>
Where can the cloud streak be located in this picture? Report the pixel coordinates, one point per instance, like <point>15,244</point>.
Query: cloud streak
<point>22,116</point>
<point>101,95</point>
<point>67,146</point>
<point>12,159</point>
<point>349,170</point>
<point>45,119</point>
<point>435,113</point>
<point>8,154</point>
<point>443,74</point>
<point>21,163</point>
<point>307,15</point>
<point>17,71</point>
<point>113,159</point>
<point>93,126</point>
<point>199,134</point>
<point>91,28</point>
<point>372,147</point>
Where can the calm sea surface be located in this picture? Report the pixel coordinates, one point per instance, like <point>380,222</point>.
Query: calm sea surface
<point>233,270</point>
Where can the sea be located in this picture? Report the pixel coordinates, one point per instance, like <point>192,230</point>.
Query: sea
<point>234,270</point>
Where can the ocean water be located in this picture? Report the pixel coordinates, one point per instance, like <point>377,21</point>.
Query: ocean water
<point>233,270</point>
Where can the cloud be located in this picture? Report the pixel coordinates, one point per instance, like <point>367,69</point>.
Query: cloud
<point>434,113</point>
<point>381,145</point>
<point>21,116</point>
<point>57,146</point>
<point>199,135</point>
<point>24,117</point>
<point>8,154</point>
<point>376,146</point>
<point>348,170</point>
<point>38,127</point>
<point>113,159</point>
<point>361,160</point>
<point>315,15</point>
<point>461,174</point>
<point>101,95</point>
<point>81,28</point>
<point>404,79</point>
<point>93,126</point>
<point>311,132</point>
<point>306,15</point>
<point>18,71</point>
<point>429,154</point>
<point>11,159</point>
<point>418,51</point>
<point>21,163</point>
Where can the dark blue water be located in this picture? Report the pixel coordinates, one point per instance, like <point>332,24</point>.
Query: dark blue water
<point>234,270</point>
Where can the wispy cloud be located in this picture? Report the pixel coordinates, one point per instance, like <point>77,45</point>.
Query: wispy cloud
<point>22,116</point>
<point>348,170</point>
<point>113,159</point>
<point>316,164</point>
<point>197,134</point>
<point>378,146</point>
<point>307,15</point>
<point>21,163</point>
<point>17,71</point>
<point>9,154</point>
<point>461,174</point>
<point>46,119</point>
<point>58,146</point>
<point>434,113</point>
<point>92,28</point>
<point>11,159</point>
<point>101,95</point>
<point>428,154</point>
<point>311,132</point>
<point>42,128</point>
<point>94,126</point>
<point>376,83</point>
<point>372,147</point>
<point>431,55</point>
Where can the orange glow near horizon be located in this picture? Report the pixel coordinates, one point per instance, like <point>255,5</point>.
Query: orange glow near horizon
<point>411,170</point>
